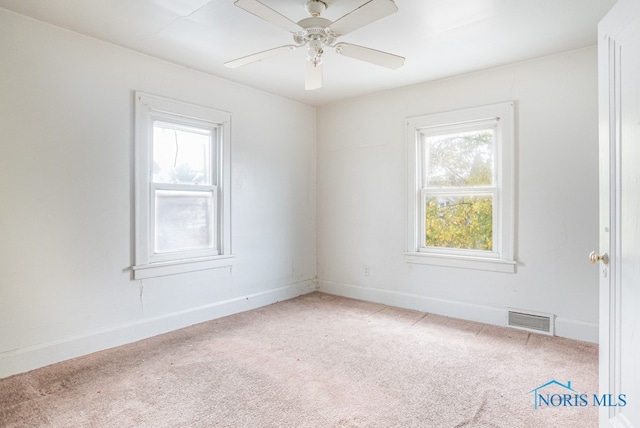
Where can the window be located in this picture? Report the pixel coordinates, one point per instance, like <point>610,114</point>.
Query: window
<point>182,162</point>
<point>460,192</point>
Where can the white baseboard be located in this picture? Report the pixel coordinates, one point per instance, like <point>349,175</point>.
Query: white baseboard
<point>32,357</point>
<point>579,330</point>
<point>572,329</point>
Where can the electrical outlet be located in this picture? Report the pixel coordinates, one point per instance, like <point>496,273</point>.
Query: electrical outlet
<point>366,271</point>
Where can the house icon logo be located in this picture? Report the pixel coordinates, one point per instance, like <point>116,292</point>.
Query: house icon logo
<point>540,398</point>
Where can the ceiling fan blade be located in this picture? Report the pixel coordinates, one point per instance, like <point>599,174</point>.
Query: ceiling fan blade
<point>313,76</point>
<point>265,12</point>
<point>373,56</point>
<point>259,56</point>
<point>366,14</point>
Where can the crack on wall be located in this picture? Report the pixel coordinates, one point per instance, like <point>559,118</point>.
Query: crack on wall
<point>141,296</point>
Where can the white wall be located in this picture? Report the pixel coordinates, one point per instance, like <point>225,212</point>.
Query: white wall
<point>66,144</point>
<point>362,188</point>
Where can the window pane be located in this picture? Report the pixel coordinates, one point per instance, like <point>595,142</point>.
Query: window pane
<point>461,159</point>
<point>463,222</point>
<point>184,221</point>
<point>181,154</point>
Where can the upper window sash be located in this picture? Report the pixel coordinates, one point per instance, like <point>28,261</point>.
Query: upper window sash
<point>194,127</point>
<point>435,131</point>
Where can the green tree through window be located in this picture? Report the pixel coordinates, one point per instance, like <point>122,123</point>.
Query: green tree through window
<point>458,194</point>
<point>459,222</point>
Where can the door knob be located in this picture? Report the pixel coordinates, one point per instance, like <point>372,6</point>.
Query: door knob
<point>595,257</point>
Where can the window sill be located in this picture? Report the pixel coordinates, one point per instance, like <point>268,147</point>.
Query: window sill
<point>173,267</point>
<point>463,262</point>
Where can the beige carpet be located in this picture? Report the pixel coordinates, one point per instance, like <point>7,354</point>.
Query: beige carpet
<point>315,361</point>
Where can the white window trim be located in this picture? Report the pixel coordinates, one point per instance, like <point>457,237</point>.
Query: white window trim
<point>502,260</point>
<point>147,108</point>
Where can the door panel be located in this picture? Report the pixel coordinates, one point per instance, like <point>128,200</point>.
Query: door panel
<point>619,98</point>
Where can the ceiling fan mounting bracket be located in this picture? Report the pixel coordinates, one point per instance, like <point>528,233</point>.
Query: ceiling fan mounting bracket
<point>315,7</point>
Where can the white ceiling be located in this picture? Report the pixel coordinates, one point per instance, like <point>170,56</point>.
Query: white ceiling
<point>438,38</point>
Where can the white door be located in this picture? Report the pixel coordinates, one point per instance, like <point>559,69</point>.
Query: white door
<point>619,99</point>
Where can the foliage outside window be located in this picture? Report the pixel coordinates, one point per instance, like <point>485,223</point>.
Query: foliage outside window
<point>461,188</point>
<point>182,187</point>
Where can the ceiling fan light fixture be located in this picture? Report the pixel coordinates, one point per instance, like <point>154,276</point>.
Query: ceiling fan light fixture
<point>315,53</point>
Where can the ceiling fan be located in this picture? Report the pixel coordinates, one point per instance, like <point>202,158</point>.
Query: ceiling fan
<point>318,33</point>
